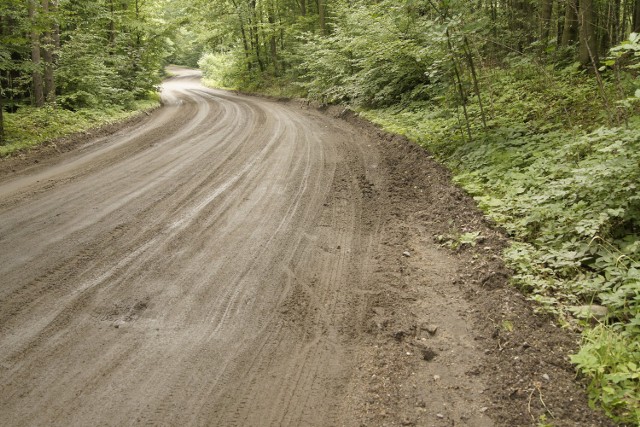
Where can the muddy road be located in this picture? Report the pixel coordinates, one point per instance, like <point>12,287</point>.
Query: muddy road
<point>235,261</point>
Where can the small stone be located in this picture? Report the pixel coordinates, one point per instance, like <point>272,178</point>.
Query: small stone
<point>439,415</point>
<point>406,253</point>
<point>436,377</point>
<point>432,329</point>
<point>484,409</point>
<point>593,311</point>
<point>546,377</point>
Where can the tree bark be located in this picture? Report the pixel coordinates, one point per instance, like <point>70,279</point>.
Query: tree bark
<point>254,28</point>
<point>1,90</point>
<point>570,31</point>
<point>588,53</point>
<point>615,23</point>
<point>546,11</point>
<point>322,15</point>
<point>38,86</point>
<point>1,115</point>
<point>112,24</point>
<point>273,43</point>
<point>636,17</point>
<point>48,55</point>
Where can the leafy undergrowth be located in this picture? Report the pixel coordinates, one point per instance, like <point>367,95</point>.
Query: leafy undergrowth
<point>29,127</point>
<point>559,168</point>
<point>225,71</point>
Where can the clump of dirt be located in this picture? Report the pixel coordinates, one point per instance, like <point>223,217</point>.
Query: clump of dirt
<point>521,374</point>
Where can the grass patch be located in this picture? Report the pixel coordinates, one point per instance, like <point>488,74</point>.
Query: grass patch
<point>30,127</point>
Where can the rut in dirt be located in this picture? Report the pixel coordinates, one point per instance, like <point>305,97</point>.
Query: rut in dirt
<point>187,271</point>
<point>237,261</point>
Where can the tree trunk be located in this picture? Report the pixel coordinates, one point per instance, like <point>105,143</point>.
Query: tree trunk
<point>636,17</point>
<point>245,45</point>
<point>1,115</point>
<point>48,55</point>
<point>38,86</point>
<point>546,11</point>
<point>322,16</point>
<point>615,23</point>
<point>273,42</point>
<point>587,55</point>
<point>254,28</point>
<point>112,24</point>
<point>570,31</point>
<point>303,7</point>
<point>1,90</point>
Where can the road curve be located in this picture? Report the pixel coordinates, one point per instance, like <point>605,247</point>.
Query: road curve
<point>199,268</point>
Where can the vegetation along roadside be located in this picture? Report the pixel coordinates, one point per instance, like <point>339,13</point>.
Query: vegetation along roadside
<point>67,67</point>
<point>533,104</point>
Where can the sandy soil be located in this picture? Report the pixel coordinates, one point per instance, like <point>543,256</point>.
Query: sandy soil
<point>235,261</point>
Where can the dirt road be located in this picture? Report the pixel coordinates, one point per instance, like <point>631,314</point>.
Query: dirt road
<point>236,261</point>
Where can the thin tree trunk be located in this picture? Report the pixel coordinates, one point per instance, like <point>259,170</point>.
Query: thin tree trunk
<point>245,45</point>
<point>243,32</point>
<point>254,32</point>
<point>303,7</point>
<point>273,43</point>
<point>615,23</point>
<point>476,87</point>
<point>112,24</point>
<point>570,31</point>
<point>458,81</point>
<point>588,49</point>
<point>636,17</point>
<point>48,55</point>
<point>546,11</point>
<point>322,15</point>
<point>38,86</point>
<point>2,142</point>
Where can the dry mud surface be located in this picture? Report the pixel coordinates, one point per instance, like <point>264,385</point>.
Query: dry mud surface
<point>234,261</point>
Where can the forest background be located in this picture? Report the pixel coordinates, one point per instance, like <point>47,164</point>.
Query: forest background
<point>533,104</point>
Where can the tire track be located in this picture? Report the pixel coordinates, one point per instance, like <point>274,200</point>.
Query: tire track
<point>186,274</point>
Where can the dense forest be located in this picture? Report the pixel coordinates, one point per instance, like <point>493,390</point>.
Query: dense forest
<point>74,56</point>
<point>533,104</point>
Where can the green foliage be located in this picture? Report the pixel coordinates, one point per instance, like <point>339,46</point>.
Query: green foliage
<point>374,57</point>
<point>455,242</point>
<point>626,54</point>
<point>612,362</point>
<point>86,77</point>
<point>564,188</point>
<point>220,70</point>
<point>30,126</point>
